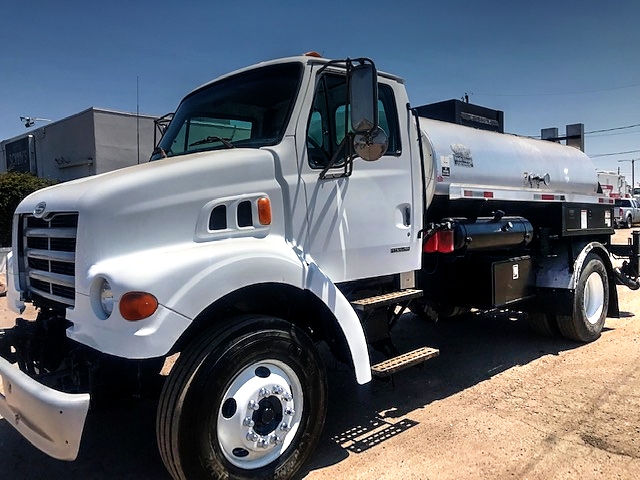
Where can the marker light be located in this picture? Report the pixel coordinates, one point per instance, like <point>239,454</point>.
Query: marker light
<point>441,241</point>
<point>264,211</point>
<point>137,305</point>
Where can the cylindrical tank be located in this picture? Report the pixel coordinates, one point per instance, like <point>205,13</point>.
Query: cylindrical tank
<point>491,233</point>
<point>465,156</point>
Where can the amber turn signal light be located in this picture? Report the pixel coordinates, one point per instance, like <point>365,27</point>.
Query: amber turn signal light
<point>264,211</point>
<point>137,306</point>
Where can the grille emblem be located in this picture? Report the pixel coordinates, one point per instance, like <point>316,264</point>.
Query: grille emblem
<point>38,212</point>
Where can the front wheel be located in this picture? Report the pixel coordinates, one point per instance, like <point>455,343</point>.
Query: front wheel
<point>245,401</point>
<point>590,304</point>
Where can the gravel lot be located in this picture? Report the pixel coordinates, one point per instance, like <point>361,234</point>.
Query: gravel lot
<point>499,402</point>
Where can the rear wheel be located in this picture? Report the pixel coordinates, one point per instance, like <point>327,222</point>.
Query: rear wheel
<point>628,223</point>
<point>590,305</point>
<point>245,401</point>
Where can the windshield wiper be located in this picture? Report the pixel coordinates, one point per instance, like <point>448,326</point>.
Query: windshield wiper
<point>212,139</point>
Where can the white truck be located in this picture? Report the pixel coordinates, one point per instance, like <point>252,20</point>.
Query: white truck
<point>294,202</point>
<point>626,212</point>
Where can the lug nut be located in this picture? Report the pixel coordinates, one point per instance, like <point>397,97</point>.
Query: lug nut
<point>274,439</point>
<point>277,390</point>
<point>287,397</point>
<point>248,422</point>
<point>263,442</point>
<point>289,411</point>
<point>285,427</point>
<point>253,436</point>
<point>263,392</point>
<point>253,405</point>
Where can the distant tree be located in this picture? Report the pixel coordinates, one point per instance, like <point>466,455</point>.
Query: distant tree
<point>13,188</point>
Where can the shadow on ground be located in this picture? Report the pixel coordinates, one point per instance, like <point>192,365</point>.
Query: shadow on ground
<point>473,348</point>
<point>119,441</point>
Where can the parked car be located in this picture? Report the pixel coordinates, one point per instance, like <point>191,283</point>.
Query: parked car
<point>627,212</point>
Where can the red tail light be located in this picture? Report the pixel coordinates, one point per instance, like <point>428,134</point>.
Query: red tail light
<point>441,241</point>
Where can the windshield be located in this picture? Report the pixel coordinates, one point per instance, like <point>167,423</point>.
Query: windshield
<point>250,109</point>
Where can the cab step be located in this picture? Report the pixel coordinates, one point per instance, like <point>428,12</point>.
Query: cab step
<point>371,303</point>
<point>406,360</point>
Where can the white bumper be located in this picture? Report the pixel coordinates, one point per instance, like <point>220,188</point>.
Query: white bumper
<point>51,420</point>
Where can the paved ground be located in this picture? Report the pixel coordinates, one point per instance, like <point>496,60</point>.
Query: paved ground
<point>500,402</point>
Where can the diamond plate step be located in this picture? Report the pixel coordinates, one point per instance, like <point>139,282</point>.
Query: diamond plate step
<point>370,303</point>
<point>406,360</point>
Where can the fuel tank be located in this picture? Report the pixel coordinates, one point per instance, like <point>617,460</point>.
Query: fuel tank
<point>468,157</point>
<point>491,233</point>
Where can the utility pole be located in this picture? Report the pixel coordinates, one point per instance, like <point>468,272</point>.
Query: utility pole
<point>633,172</point>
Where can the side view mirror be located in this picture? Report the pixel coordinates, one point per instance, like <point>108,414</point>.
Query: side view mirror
<point>370,141</point>
<point>363,97</point>
<point>372,145</point>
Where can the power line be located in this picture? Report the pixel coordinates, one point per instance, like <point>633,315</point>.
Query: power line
<point>612,154</point>
<point>611,134</point>
<point>602,130</point>
<point>548,94</point>
<point>612,129</point>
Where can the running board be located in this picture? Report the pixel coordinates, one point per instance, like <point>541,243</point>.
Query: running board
<point>393,298</point>
<point>406,360</point>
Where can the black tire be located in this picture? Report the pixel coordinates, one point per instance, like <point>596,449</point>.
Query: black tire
<point>628,222</point>
<point>590,304</point>
<point>544,324</point>
<point>207,394</point>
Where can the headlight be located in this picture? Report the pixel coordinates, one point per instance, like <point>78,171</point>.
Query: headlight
<point>106,298</point>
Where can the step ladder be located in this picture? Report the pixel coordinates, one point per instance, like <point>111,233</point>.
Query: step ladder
<point>406,360</point>
<point>386,369</point>
<point>371,303</point>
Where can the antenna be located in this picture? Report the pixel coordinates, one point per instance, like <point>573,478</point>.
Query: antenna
<point>138,115</point>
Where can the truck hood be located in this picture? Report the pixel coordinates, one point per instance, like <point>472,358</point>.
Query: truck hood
<point>152,205</point>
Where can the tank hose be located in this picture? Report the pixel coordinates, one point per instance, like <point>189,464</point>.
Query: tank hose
<point>626,281</point>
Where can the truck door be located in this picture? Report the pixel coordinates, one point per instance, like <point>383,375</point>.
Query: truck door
<point>362,225</point>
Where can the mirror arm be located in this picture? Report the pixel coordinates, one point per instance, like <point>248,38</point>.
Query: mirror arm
<point>347,63</point>
<point>347,143</point>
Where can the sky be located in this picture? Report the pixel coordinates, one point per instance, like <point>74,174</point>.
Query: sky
<point>545,63</point>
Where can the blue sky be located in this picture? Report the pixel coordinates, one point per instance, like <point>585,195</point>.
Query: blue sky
<point>544,63</point>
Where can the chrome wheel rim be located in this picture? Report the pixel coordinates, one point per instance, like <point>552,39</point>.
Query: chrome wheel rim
<point>259,414</point>
<point>593,298</point>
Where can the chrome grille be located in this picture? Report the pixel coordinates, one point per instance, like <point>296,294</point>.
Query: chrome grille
<point>49,255</point>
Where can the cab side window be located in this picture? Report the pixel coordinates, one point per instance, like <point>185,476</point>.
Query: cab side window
<point>326,129</point>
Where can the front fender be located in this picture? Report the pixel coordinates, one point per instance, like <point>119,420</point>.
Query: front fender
<point>322,287</point>
<point>186,280</point>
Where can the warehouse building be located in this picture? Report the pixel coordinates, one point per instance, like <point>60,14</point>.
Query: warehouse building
<point>88,143</point>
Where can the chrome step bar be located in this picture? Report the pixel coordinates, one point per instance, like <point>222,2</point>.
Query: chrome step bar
<point>406,360</point>
<point>371,303</point>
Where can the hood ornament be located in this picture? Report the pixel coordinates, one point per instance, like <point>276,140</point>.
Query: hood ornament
<point>38,212</point>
